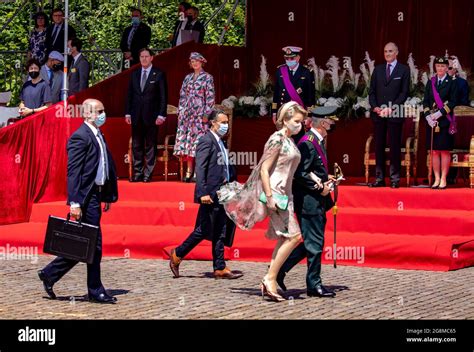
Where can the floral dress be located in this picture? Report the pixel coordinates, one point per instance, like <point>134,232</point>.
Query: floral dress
<point>196,100</point>
<point>241,202</point>
<point>37,45</point>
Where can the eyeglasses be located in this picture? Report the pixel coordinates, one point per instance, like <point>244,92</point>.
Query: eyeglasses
<point>450,68</point>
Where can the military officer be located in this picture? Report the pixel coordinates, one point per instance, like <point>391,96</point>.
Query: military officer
<point>441,95</point>
<point>312,199</point>
<point>293,82</point>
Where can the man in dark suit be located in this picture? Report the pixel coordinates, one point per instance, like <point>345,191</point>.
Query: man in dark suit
<point>389,88</point>
<point>135,37</point>
<point>145,110</point>
<point>298,87</point>
<point>55,33</point>
<point>180,23</point>
<point>91,179</point>
<point>193,23</point>
<point>212,171</point>
<point>312,200</point>
<point>79,69</point>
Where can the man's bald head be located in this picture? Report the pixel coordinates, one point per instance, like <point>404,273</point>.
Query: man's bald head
<point>91,108</point>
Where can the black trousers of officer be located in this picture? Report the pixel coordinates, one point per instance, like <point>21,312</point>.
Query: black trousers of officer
<point>144,139</point>
<point>210,224</point>
<point>91,214</point>
<point>395,136</point>
<point>312,230</point>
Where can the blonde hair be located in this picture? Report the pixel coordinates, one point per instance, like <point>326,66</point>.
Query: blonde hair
<point>287,111</point>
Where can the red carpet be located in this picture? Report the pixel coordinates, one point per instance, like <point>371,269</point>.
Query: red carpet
<point>404,229</point>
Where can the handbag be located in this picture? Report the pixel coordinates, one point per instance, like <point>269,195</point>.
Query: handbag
<point>281,201</point>
<point>73,240</point>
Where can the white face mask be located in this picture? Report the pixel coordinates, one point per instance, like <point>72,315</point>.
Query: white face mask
<point>294,128</point>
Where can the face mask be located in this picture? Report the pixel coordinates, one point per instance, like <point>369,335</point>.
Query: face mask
<point>57,67</point>
<point>100,120</point>
<point>135,21</point>
<point>34,74</point>
<point>291,63</point>
<point>68,51</point>
<point>294,128</point>
<point>190,18</point>
<point>223,128</point>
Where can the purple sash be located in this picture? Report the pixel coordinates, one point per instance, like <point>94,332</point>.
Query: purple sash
<point>439,103</point>
<point>318,149</point>
<point>289,86</point>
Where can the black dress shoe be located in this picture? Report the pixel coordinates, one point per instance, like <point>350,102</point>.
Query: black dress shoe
<point>146,179</point>
<point>281,281</point>
<point>321,291</point>
<point>103,298</point>
<point>395,184</point>
<point>136,179</point>
<point>48,285</point>
<point>378,183</point>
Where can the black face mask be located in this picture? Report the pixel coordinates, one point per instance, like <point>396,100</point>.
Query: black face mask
<point>57,67</point>
<point>34,74</point>
<point>190,18</point>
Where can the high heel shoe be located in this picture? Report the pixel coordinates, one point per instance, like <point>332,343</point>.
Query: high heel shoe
<point>435,186</point>
<point>188,177</point>
<point>272,295</point>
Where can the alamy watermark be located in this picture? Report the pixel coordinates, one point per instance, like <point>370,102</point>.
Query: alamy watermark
<point>19,253</point>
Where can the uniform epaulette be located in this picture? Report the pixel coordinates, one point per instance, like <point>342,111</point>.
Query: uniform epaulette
<point>281,65</point>
<point>310,138</point>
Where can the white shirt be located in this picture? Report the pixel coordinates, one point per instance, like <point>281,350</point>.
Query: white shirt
<point>75,58</point>
<point>320,138</point>
<point>224,151</point>
<point>392,66</point>
<point>183,26</point>
<point>440,79</point>
<point>100,177</point>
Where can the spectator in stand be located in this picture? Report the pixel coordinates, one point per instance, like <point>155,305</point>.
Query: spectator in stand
<point>51,72</point>
<point>180,23</point>
<point>55,33</point>
<point>134,38</point>
<point>35,95</point>
<point>194,24</point>
<point>37,40</point>
<point>79,70</point>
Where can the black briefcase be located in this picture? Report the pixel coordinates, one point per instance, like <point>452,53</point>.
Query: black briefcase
<point>73,240</point>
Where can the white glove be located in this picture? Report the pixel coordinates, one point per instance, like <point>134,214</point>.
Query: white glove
<point>436,115</point>
<point>430,121</point>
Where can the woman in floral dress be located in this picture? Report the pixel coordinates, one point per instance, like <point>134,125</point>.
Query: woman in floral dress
<point>37,46</point>
<point>196,101</point>
<point>273,176</point>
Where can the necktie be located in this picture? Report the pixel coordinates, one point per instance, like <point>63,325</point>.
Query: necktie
<point>221,144</point>
<point>55,33</point>
<point>51,76</point>
<point>106,161</point>
<point>130,37</point>
<point>439,83</point>
<point>388,71</point>
<point>143,81</point>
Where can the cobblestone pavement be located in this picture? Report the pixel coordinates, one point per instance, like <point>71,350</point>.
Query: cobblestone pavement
<point>146,290</point>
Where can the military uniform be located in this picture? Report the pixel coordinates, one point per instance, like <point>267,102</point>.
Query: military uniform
<point>442,140</point>
<point>310,208</point>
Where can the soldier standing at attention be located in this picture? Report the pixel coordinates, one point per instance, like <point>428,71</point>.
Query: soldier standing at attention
<point>293,82</point>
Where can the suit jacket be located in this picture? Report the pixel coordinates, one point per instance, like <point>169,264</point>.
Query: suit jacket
<point>56,85</point>
<point>78,75</point>
<point>394,91</point>
<point>58,44</point>
<point>463,91</point>
<point>449,95</point>
<point>308,200</point>
<point>303,81</point>
<point>199,27</point>
<point>150,103</point>
<point>83,152</point>
<point>210,170</point>
<point>141,39</point>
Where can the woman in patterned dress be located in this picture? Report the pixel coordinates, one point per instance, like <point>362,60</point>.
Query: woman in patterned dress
<point>196,101</point>
<point>37,47</point>
<point>273,175</point>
